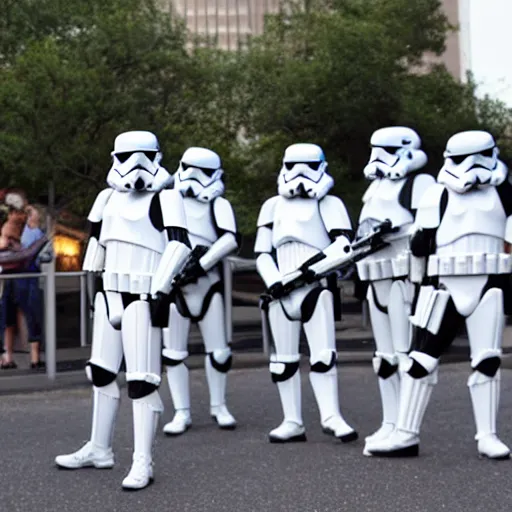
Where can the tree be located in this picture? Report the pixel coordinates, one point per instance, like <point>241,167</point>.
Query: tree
<point>333,71</point>
<point>74,74</point>
<point>84,72</point>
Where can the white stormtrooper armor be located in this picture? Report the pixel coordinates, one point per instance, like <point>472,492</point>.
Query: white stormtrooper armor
<point>139,242</point>
<point>303,225</point>
<point>460,231</point>
<point>394,193</point>
<point>211,225</point>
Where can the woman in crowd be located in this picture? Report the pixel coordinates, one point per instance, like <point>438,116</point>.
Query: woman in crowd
<point>23,297</point>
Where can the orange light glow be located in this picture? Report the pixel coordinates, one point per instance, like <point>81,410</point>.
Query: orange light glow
<point>66,246</point>
<point>67,253</point>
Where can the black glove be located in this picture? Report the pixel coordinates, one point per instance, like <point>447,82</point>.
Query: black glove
<point>190,274</point>
<point>309,275</point>
<point>276,290</point>
<point>265,300</point>
<point>159,307</point>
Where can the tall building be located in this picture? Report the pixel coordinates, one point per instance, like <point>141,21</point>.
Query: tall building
<point>229,22</point>
<point>478,45</point>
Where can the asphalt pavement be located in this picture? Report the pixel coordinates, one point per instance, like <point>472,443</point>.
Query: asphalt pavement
<point>239,471</point>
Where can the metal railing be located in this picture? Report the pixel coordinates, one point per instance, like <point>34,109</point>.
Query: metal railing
<point>49,277</point>
<point>50,310</point>
<point>231,265</point>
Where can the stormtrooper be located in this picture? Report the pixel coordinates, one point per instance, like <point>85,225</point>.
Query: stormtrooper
<point>139,242</point>
<point>198,295</point>
<point>461,227</point>
<point>397,185</point>
<point>303,230</point>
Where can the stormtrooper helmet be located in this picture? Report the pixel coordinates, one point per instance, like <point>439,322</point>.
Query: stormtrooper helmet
<point>304,172</point>
<point>136,163</point>
<point>395,153</point>
<point>471,160</point>
<point>199,175</point>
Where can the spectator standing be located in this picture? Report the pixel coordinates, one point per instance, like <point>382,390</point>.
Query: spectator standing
<point>25,298</point>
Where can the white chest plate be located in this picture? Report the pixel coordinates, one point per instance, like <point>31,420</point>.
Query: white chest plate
<point>200,222</point>
<point>381,201</point>
<point>299,220</point>
<point>476,212</point>
<point>126,219</point>
<point>470,239</point>
<point>132,244</point>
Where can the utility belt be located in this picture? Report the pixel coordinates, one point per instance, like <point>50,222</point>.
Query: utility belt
<point>130,283</point>
<point>385,268</point>
<point>469,264</point>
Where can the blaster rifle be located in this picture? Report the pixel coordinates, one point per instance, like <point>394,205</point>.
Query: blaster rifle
<point>361,248</point>
<point>192,269</point>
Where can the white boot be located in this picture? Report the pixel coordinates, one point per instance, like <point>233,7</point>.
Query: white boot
<point>404,441</point>
<point>179,424</point>
<point>390,395</point>
<point>288,432</point>
<point>223,417</point>
<point>325,388</point>
<point>291,429</point>
<point>89,455</point>
<point>485,393</point>
<point>178,379</point>
<point>145,421</point>
<point>217,386</point>
<point>98,451</point>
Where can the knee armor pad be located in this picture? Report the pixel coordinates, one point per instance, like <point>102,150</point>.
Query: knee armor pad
<point>422,365</point>
<point>99,376</point>
<point>487,362</point>
<point>221,360</point>
<point>327,360</point>
<point>489,366</point>
<point>140,389</point>
<point>283,367</point>
<point>384,365</point>
<point>172,357</point>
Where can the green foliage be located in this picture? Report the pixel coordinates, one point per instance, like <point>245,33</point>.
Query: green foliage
<point>101,68</point>
<point>332,72</point>
<point>74,74</point>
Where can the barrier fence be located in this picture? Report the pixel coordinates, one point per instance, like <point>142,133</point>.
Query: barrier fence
<point>49,276</point>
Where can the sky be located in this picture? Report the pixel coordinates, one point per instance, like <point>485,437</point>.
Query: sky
<point>488,45</point>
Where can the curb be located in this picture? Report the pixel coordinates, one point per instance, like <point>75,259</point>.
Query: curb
<point>34,383</point>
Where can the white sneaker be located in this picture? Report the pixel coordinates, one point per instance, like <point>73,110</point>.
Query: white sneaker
<point>491,447</point>
<point>223,417</point>
<point>88,456</point>
<point>398,444</point>
<point>179,424</point>
<point>336,426</point>
<point>288,432</point>
<point>140,475</point>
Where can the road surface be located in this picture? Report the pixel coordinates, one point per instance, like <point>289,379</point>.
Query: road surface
<point>239,471</point>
